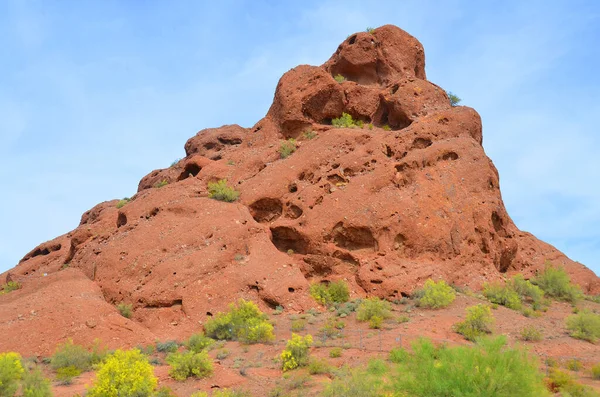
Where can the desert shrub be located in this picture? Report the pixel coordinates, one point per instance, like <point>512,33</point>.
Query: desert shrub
<point>286,148</point>
<point>243,321</point>
<point>309,134</point>
<point>296,352</point>
<point>65,375</point>
<point>298,324</point>
<point>373,310</point>
<point>10,286</point>
<point>398,355</point>
<point>526,290</point>
<point>574,365</point>
<point>584,325</point>
<point>169,346</point>
<point>344,121</point>
<point>222,192</point>
<point>332,328</point>
<point>199,342</point>
<point>188,364</point>
<point>386,127</point>
<point>479,322</point>
<point>124,373</point>
<point>35,384</point>
<point>164,392</point>
<point>369,30</point>
<point>344,309</point>
<point>337,352</point>
<point>355,383</point>
<point>532,334</point>
<point>328,294</point>
<point>123,202</point>
<point>454,99</point>
<point>11,372</point>
<point>161,183</point>
<point>339,78</point>
<point>555,282</point>
<point>436,295</point>
<point>71,355</point>
<point>223,354</point>
<point>560,381</point>
<point>489,368</point>
<point>596,371</point>
<point>317,366</point>
<point>502,295</point>
<point>231,393</point>
<point>199,394</point>
<point>125,309</point>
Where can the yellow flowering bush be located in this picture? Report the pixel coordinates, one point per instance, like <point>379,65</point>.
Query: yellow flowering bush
<point>243,321</point>
<point>185,365</point>
<point>124,373</point>
<point>436,295</point>
<point>296,352</point>
<point>11,372</point>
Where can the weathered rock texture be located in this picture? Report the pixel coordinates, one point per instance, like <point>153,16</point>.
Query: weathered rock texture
<point>384,209</point>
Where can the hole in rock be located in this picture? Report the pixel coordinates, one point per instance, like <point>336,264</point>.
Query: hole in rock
<point>353,237</point>
<point>229,141</point>
<point>497,222</point>
<point>286,238</point>
<point>210,145</point>
<point>121,219</point>
<point>377,281</point>
<point>395,88</point>
<point>346,257</point>
<point>42,251</point>
<point>404,294</point>
<point>399,241</point>
<point>421,143</point>
<point>266,210</point>
<point>272,303</point>
<point>336,179</point>
<point>401,167</point>
<point>450,156</point>
<point>292,188</point>
<point>209,314</point>
<point>190,169</point>
<point>352,39</point>
<point>294,212</point>
<point>216,158</point>
<point>291,290</point>
<point>388,151</point>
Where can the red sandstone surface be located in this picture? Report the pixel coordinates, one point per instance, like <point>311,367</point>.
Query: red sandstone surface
<point>382,209</point>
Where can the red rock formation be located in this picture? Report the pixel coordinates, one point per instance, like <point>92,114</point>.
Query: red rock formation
<point>384,209</point>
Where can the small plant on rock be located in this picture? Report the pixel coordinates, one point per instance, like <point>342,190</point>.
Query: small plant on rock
<point>161,183</point>
<point>125,309</point>
<point>10,286</point>
<point>169,346</point>
<point>188,364</point>
<point>345,121</point>
<point>369,30</point>
<point>309,134</point>
<point>199,342</point>
<point>286,148</point>
<point>454,99</point>
<point>123,202</point>
<point>296,352</point>
<point>479,322</point>
<point>437,295</point>
<point>339,78</point>
<point>222,192</point>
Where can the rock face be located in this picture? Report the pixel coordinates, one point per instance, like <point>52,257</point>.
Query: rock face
<point>409,196</point>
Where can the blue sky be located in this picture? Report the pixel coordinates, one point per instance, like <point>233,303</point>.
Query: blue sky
<point>95,94</point>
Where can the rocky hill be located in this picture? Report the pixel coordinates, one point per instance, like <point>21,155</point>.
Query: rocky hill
<point>404,194</point>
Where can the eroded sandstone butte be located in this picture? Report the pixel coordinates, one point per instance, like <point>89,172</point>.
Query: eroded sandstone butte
<point>382,209</point>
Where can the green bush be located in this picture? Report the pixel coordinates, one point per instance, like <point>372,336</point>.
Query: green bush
<point>65,375</point>
<point>489,368</point>
<point>596,371</point>
<point>454,99</point>
<point>296,352</point>
<point>526,290</point>
<point>222,192</point>
<point>335,352</point>
<point>161,183</point>
<point>398,355</point>
<point>531,334</point>
<point>386,127</point>
<point>231,393</point>
<point>199,342</point>
<point>169,346</point>
<point>502,295</point>
<point>373,310</point>
<point>243,321</point>
<point>559,381</point>
<point>574,365</point>
<point>71,355</point>
<point>298,325</point>
<point>10,286</point>
<point>123,202</point>
<point>345,121</point>
<point>35,384</point>
<point>344,309</point>
<point>318,366</point>
<point>584,325</point>
<point>125,309</point>
<point>555,282</point>
<point>124,373</point>
<point>309,134</point>
<point>164,392</point>
<point>331,293</point>
<point>188,364</point>
<point>356,383</point>
<point>339,78</point>
<point>11,372</point>
<point>286,148</point>
<point>369,30</point>
<point>479,322</point>
<point>437,295</point>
